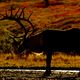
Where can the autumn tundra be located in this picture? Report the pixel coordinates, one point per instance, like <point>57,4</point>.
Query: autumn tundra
<point>48,41</point>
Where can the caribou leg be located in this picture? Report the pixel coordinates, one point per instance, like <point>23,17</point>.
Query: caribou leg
<point>48,63</point>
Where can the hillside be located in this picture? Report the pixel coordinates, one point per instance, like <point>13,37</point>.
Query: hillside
<point>61,14</point>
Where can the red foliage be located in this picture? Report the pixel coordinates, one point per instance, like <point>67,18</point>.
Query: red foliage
<point>30,11</point>
<point>77,11</point>
<point>61,15</point>
<point>54,2</point>
<point>39,5</point>
<point>42,4</point>
<point>25,4</point>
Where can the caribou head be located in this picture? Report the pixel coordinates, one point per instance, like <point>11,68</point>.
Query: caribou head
<point>18,17</point>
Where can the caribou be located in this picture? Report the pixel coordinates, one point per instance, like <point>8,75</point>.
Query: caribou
<point>48,41</point>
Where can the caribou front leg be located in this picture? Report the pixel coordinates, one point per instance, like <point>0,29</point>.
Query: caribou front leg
<point>48,63</point>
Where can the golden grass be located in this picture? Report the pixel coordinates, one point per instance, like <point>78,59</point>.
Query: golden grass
<point>33,60</point>
<point>63,60</point>
<point>43,18</point>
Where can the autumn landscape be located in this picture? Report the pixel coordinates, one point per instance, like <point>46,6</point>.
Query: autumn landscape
<point>60,14</point>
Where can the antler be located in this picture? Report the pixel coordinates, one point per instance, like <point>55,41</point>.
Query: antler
<point>13,16</point>
<point>18,16</point>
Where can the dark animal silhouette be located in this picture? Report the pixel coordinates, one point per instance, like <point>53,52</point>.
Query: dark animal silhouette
<point>51,41</point>
<point>48,40</point>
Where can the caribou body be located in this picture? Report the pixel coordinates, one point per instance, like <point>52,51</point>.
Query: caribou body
<point>51,41</point>
<point>47,41</point>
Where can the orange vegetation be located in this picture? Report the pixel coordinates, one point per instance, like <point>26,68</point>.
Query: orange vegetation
<point>56,16</point>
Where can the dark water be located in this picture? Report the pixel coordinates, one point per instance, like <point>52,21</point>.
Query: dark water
<point>26,74</point>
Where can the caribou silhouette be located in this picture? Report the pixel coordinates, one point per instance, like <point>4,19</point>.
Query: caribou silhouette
<point>48,41</point>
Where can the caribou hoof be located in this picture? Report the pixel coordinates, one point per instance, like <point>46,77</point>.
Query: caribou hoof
<point>47,73</point>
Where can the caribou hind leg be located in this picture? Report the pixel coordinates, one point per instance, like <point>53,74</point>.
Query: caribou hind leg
<point>48,63</point>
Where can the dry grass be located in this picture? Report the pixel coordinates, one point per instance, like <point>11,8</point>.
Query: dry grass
<point>51,17</point>
<point>63,60</point>
<point>33,60</point>
<point>13,60</point>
